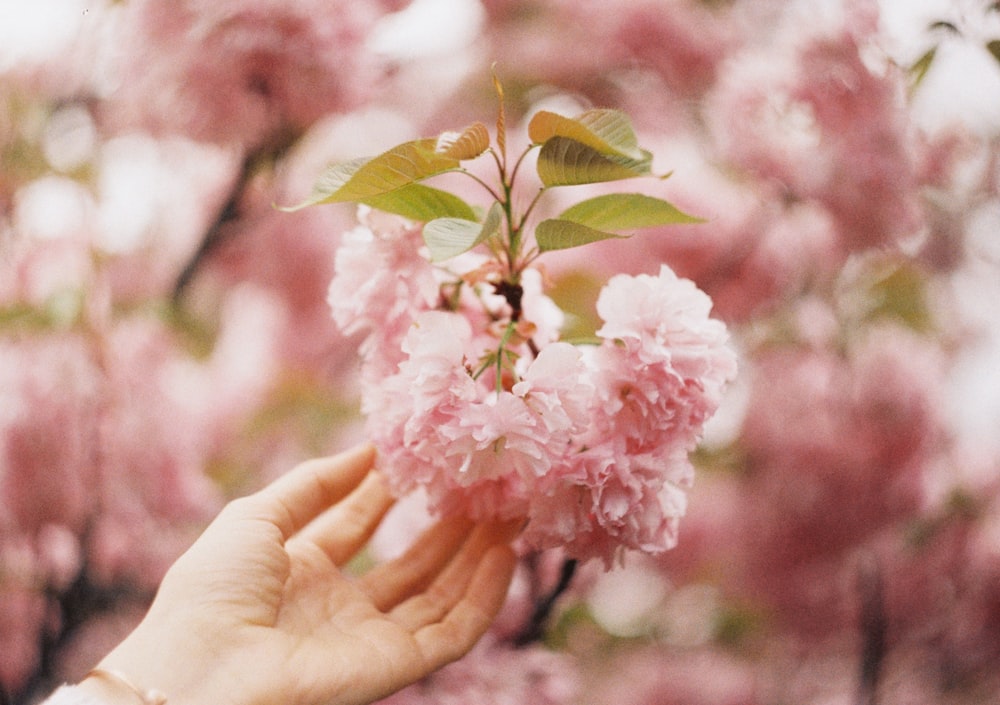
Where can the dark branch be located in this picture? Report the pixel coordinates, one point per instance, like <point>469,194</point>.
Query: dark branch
<point>535,628</point>
<point>873,625</point>
<point>217,231</point>
<point>229,213</point>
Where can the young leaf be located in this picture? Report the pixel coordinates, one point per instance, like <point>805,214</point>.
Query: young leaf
<point>448,237</point>
<point>993,47</point>
<point>330,182</point>
<point>467,144</point>
<point>608,132</point>
<point>564,162</point>
<point>421,203</point>
<point>557,234</point>
<point>501,118</point>
<point>922,65</point>
<point>622,211</point>
<point>362,179</point>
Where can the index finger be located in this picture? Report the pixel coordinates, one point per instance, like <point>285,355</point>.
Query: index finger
<point>298,497</point>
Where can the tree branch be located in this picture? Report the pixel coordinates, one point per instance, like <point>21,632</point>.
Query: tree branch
<point>535,627</point>
<point>873,626</point>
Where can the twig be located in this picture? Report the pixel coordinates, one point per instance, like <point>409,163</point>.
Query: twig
<point>873,626</point>
<point>217,231</point>
<point>268,152</point>
<point>535,628</point>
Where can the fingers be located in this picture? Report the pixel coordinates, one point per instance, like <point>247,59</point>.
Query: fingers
<point>390,583</point>
<point>295,499</point>
<point>461,627</point>
<point>448,588</point>
<point>342,530</point>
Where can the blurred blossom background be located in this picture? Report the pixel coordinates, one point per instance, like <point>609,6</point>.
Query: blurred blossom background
<point>166,343</point>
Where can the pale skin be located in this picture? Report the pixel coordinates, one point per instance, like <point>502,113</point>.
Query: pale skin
<point>259,610</point>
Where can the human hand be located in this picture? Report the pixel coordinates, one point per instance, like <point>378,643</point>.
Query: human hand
<point>258,611</point>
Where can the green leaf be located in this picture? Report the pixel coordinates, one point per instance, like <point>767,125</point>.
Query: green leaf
<point>467,144</point>
<point>401,165</point>
<point>898,290</point>
<point>608,132</point>
<point>922,65</point>
<point>361,179</point>
<point>556,234</point>
<point>622,211</point>
<point>448,237</point>
<point>945,25</point>
<point>993,47</point>
<point>329,182</point>
<point>422,203</point>
<point>565,162</point>
<point>575,292</point>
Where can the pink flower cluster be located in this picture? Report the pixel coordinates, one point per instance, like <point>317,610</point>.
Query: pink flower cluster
<point>825,126</point>
<point>239,72</point>
<point>589,443</point>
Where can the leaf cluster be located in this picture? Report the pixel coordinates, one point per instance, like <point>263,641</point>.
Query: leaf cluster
<point>597,146</point>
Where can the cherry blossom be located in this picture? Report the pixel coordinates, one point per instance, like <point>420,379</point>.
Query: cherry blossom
<point>590,444</point>
<point>241,73</point>
<point>739,535</point>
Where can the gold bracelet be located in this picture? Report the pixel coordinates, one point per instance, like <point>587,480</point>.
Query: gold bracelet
<point>148,697</point>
